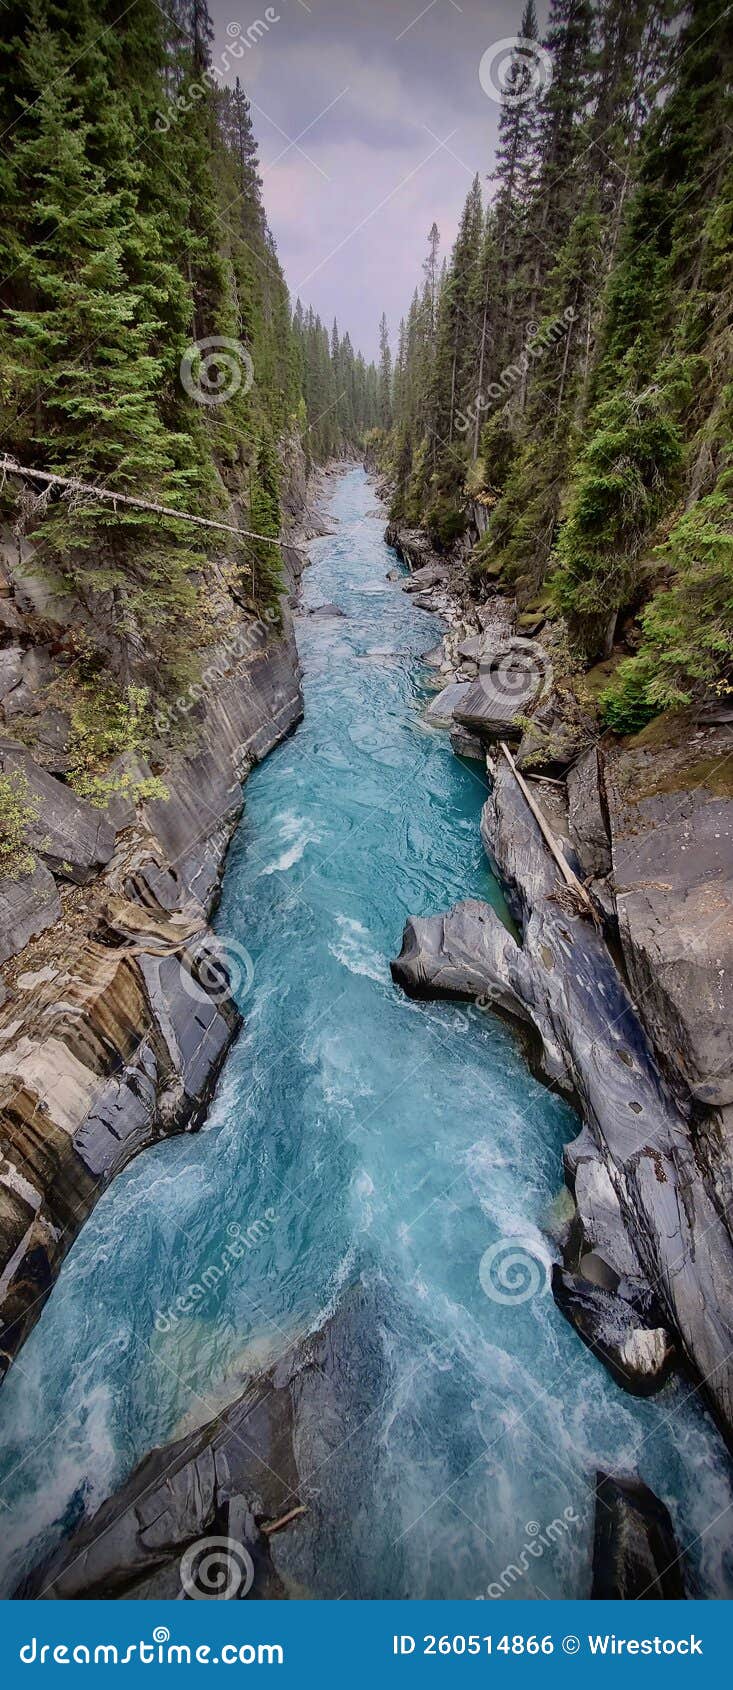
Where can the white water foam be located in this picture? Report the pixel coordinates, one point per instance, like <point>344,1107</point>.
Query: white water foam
<point>296,834</point>
<point>354,951</point>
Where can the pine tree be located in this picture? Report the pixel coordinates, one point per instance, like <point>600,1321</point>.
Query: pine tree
<point>385,375</point>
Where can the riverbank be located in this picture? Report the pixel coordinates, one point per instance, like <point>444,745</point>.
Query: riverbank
<point>116,1002</point>
<point>643,997</point>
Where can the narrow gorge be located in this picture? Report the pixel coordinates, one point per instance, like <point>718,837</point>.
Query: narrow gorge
<point>366,807</point>
<point>365,1162</point>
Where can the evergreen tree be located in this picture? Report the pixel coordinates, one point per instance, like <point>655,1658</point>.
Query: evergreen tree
<point>385,375</point>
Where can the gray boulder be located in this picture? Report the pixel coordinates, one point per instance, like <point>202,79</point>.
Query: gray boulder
<point>421,580</point>
<point>466,954</point>
<point>635,1552</point>
<point>467,745</point>
<point>640,1357</point>
<point>446,705</point>
<point>412,545</point>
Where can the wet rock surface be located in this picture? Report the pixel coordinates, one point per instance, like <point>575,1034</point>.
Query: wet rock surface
<point>253,1467</point>
<point>640,1357</point>
<point>635,1552</point>
<point>594,1047</point>
<point>112,1032</point>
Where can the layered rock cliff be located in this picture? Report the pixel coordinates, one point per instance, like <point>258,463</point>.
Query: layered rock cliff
<point>117,1005</point>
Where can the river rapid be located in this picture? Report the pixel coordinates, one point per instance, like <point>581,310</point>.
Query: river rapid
<point>356,1136</point>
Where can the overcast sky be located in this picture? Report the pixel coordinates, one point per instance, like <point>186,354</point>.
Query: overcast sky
<point>371,122</point>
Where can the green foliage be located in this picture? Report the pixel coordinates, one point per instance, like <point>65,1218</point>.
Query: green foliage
<point>687,628</point>
<point>624,479</point>
<point>625,705</point>
<point>106,721</point>
<point>133,230</point>
<point>577,363</point>
<point>445,523</point>
<point>341,392</point>
<point>17,810</point>
<point>265,513</point>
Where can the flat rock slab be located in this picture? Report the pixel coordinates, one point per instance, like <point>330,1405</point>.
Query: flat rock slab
<point>442,710</point>
<point>421,580</point>
<point>502,693</point>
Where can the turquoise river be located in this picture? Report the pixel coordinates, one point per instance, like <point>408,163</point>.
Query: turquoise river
<point>361,1136</point>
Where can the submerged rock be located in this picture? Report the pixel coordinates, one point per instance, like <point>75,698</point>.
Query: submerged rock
<point>192,1513</point>
<point>635,1552</point>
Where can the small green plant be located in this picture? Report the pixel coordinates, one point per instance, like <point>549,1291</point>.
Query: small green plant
<point>625,704</point>
<point>18,809</point>
<point>106,721</point>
